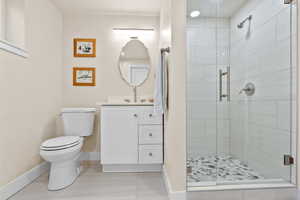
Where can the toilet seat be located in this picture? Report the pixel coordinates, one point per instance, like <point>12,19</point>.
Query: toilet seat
<point>61,143</point>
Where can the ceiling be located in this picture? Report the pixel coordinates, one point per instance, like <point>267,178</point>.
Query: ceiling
<point>208,8</point>
<point>131,7</point>
<point>213,8</point>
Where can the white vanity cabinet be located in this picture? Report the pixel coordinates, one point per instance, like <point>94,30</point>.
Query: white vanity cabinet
<point>131,139</point>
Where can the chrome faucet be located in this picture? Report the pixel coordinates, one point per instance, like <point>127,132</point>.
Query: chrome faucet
<point>135,94</point>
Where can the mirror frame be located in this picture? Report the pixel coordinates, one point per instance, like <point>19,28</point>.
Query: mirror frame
<point>150,66</point>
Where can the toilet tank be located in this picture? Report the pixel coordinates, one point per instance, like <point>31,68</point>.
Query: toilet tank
<point>78,121</point>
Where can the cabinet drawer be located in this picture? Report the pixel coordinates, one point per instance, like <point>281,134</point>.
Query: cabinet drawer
<point>148,117</point>
<point>150,134</point>
<point>150,154</point>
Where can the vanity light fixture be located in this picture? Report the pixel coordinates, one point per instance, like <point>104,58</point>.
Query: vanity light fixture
<point>195,13</point>
<point>134,33</point>
<point>133,29</point>
<point>134,38</point>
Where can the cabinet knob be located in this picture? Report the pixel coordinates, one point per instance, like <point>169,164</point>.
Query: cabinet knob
<point>150,134</point>
<point>135,115</point>
<point>150,154</point>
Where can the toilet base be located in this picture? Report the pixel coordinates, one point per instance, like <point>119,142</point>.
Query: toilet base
<point>63,174</point>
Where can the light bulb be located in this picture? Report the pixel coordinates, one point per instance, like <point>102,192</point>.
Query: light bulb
<point>195,13</point>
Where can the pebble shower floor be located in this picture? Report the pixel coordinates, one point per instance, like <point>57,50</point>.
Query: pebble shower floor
<point>220,168</point>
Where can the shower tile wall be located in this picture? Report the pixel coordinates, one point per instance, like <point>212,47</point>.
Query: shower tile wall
<point>202,86</point>
<point>260,53</point>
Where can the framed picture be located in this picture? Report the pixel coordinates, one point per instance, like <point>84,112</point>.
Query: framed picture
<point>84,76</point>
<point>84,47</point>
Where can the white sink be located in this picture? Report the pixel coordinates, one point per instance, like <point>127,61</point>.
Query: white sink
<point>127,101</point>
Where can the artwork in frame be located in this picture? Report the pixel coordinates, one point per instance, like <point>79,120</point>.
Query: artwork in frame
<point>84,47</point>
<point>84,76</point>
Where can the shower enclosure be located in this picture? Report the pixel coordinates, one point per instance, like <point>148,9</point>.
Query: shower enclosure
<point>241,93</point>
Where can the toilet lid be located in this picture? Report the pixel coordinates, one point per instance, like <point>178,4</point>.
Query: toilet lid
<point>61,142</point>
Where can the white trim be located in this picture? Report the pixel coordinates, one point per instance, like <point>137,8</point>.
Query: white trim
<point>241,187</point>
<point>262,182</point>
<point>20,182</point>
<point>173,195</point>
<point>89,156</point>
<point>138,168</point>
<point>6,46</point>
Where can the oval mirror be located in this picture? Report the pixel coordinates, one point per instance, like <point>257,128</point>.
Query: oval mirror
<point>134,63</point>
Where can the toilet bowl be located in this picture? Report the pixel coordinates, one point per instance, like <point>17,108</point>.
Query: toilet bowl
<point>64,160</point>
<point>63,152</point>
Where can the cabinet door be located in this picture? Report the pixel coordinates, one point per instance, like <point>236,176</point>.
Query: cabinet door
<point>119,135</point>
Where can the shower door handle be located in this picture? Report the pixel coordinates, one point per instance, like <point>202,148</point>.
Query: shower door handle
<point>221,74</point>
<point>228,83</point>
<point>221,85</point>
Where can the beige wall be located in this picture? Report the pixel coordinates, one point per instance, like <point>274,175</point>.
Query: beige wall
<point>30,91</point>
<point>109,45</point>
<point>173,16</point>
<point>165,24</point>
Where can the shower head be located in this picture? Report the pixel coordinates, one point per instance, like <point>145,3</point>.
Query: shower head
<point>241,25</point>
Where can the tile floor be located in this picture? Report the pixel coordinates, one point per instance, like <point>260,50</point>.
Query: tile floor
<point>220,168</point>
<point>94,185</point>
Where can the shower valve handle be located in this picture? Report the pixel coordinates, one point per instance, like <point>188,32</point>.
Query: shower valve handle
<point>249,89</point>
<point>244,90</point>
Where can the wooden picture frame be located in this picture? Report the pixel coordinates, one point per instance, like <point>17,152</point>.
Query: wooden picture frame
<point>84,47</point>
<point>84,76</point>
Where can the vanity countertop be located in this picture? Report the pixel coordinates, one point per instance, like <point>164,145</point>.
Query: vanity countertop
<point>123,104</point>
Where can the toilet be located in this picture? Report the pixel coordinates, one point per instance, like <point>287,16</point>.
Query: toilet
<point>63,152</point>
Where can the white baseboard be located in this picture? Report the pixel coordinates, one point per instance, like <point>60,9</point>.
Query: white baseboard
<point>132,168</point>
<point>173,195</point>
<point>89,156</point>
<point>6,46</point>
<point>20,182</point>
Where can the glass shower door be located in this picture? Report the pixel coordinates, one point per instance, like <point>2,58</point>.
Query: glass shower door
<point>202,97</point>
<point>256,91</point>
<point>241,92</point>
